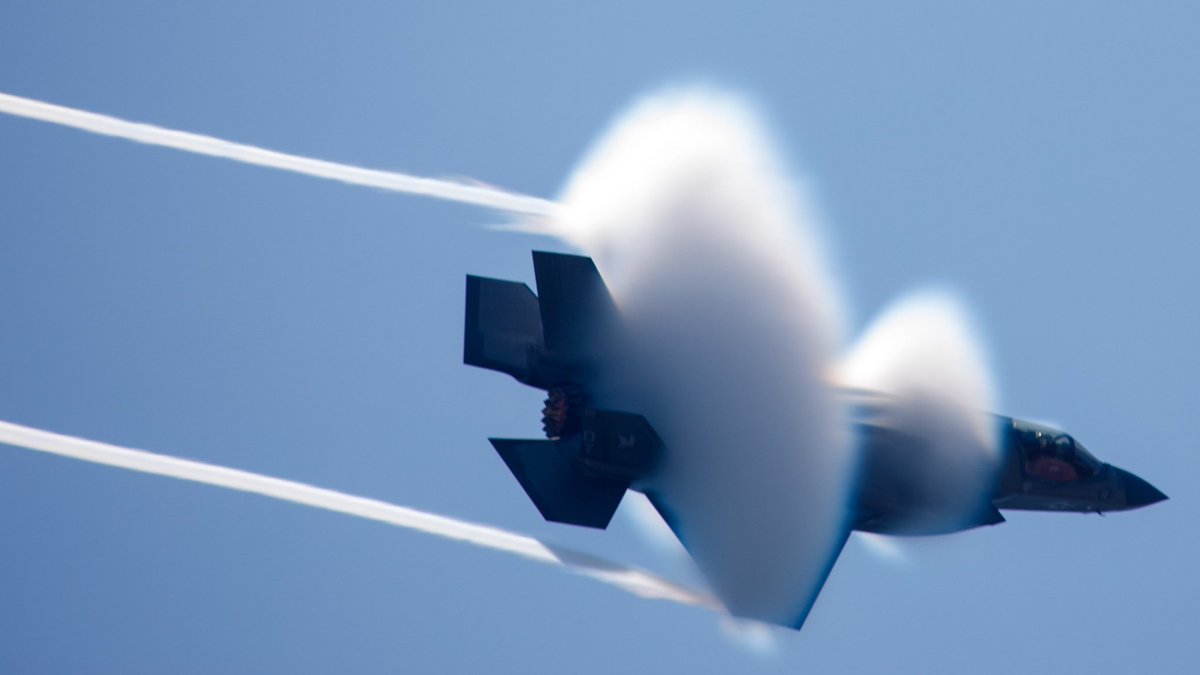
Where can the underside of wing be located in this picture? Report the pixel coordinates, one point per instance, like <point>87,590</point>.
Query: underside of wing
<point>743,569</point>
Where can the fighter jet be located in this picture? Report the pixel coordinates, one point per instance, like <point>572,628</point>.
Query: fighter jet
<point>562,340</point>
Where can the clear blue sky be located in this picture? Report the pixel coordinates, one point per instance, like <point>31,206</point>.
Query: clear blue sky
<point>1043,160</point>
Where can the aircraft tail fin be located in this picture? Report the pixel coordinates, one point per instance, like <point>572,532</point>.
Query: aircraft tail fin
<point>503,326</point>
<point>576,308</point>
<point>559,490</point>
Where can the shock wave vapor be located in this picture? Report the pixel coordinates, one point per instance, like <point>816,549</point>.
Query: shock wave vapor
<point>569,339</point>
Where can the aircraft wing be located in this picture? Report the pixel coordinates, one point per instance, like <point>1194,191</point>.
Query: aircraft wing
<point>740,574</point>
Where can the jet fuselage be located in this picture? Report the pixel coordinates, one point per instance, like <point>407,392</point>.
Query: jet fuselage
<point>1035,468</point>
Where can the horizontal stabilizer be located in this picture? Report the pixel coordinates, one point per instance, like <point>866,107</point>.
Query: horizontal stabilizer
<point>503,326</point>
<point>560,491</point>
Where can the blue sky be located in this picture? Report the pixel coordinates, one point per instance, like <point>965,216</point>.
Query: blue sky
<point>1042,160</point>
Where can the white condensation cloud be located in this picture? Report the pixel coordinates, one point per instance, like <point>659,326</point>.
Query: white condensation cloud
<point>711,251</point>
<point>883,547</point>
<point>926,352</point>
<point>925,342</point>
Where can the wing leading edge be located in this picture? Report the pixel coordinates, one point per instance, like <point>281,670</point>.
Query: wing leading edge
<point>703,544</point>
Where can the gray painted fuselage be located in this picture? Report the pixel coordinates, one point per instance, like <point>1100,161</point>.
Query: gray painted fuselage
<point>1034,468</point>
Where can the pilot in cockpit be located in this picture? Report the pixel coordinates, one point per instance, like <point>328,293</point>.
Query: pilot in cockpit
<point>1054,456</point>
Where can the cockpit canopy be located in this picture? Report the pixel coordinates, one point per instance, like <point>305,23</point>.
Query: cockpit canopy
<point>1051,455</point>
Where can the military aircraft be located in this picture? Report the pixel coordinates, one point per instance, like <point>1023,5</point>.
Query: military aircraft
<point>558,341</point>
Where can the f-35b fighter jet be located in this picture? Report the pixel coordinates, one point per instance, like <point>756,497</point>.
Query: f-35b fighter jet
<point>558,341</point>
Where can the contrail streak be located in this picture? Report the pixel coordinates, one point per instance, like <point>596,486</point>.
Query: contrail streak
<point>638,582</point>
<point>105,125</point>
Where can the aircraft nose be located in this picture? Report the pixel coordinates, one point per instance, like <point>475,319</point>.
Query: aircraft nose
<point>1137,491</point>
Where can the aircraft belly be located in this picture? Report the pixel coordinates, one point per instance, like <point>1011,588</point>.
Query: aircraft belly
<point>907,486</point>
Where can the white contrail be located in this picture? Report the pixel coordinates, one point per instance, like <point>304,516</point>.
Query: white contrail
<point>105,125</point>
<point>638,582</point>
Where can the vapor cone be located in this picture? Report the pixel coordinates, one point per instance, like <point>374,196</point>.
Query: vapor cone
<point>925,353</point>
<point>710,250</point>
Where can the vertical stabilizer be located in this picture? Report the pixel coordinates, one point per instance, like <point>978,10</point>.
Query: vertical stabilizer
<point>503,327</point>
<point>577,312</point>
